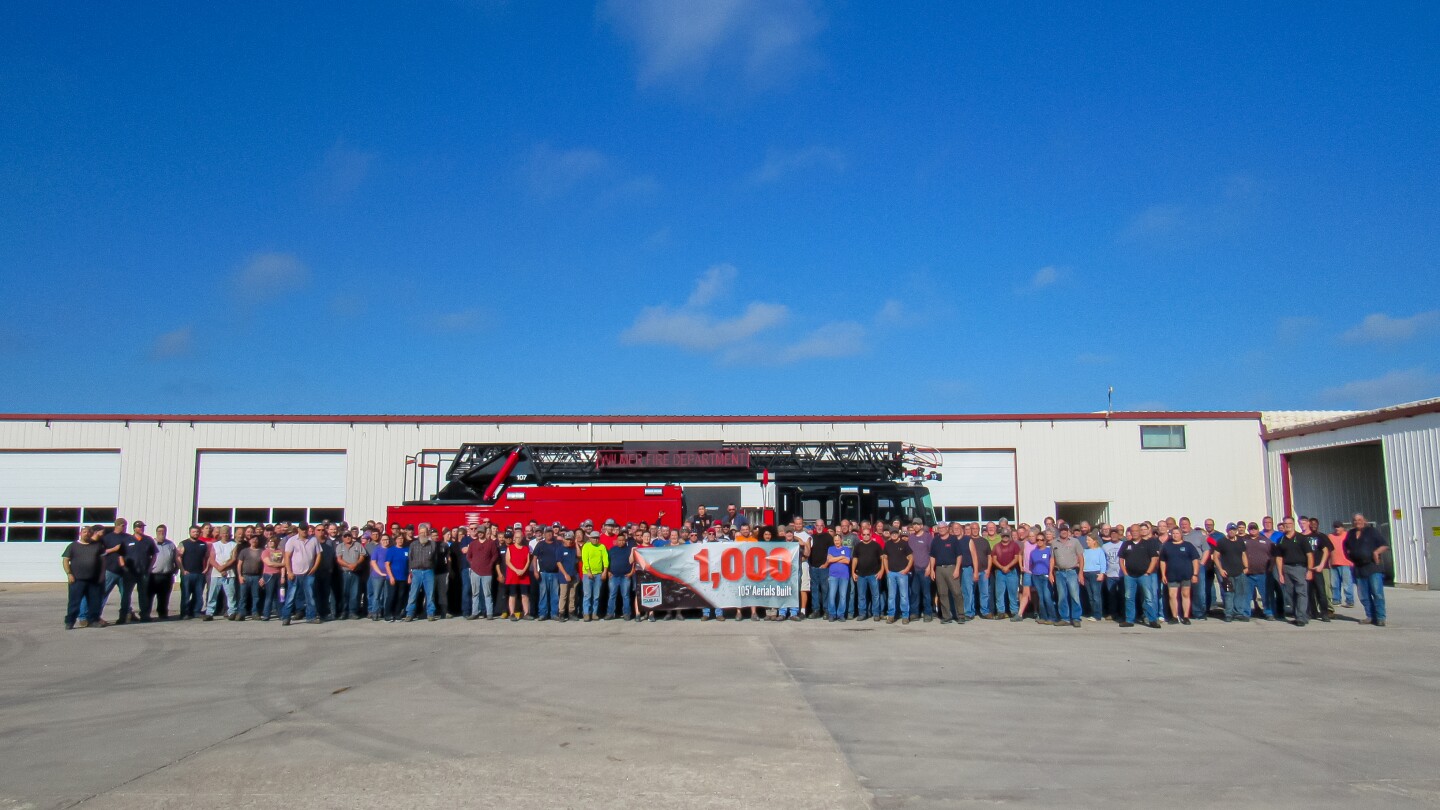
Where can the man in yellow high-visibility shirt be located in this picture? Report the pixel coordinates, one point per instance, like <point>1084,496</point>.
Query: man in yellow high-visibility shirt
<point>594,562</point>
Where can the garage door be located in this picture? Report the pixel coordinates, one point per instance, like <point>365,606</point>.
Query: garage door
<point>976,485</point>
<point>44,498</point>
<point>248,488</point>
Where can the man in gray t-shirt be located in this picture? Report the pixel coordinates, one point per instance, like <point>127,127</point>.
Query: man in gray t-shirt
<point>1200,539</point>
<point>350,557</point>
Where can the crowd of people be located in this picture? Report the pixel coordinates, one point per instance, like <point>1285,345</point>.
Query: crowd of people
<point>1055,573</point>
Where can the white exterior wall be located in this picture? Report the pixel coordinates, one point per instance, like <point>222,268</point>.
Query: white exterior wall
<point>1220,474</point>
<point>1411,449</point>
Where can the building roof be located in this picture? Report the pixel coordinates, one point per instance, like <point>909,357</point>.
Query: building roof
<point>626,419</point>
<point>1403,411</point>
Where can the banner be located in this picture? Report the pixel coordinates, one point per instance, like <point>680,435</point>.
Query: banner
<point>719,575</point>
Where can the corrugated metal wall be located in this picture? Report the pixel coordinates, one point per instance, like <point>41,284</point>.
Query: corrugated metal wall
<point>1220,474</point>
<point>1411,449</point>
<point>1336,482</point>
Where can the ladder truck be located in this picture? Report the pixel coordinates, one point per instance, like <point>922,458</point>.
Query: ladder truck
<point>663,482</point>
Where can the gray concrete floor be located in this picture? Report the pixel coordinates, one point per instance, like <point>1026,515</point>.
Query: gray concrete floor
<point>685,714</point>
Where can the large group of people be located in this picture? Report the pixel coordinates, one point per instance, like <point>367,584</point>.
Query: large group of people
<point>1056,573</point>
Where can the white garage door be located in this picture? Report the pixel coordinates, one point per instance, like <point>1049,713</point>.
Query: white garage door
<point>44,498</point>
<point>975,485</point>
<point>247,488</point>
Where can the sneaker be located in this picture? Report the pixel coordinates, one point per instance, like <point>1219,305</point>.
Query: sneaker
<point>82,624</point>
<point>409,618</point>
<point>1075,623</point>
<point>1153,625</point>
<point>1127,624</point>
<point>905,620</point>
<point>1017,618</point>
<point>285,622</point>
<point>1380,623</point>
<point>1184,621</point>
<point>69,627</point>
<point>891,620</point>
<point>208,618</point>
<point>878,618</point>
<point>313,621</point>
<point>720,618</point>
<point>434,618</point>
<point>927,618</point>
<point>706,618</point>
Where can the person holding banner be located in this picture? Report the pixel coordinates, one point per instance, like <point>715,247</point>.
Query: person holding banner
<point>899,562</point>
<point>838,568</point>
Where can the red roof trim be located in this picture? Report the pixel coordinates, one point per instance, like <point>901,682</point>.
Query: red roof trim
<point>1383,415</point>
<point>373,419</point>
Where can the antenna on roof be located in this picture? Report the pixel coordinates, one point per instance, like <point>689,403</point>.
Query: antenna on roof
<point>1109,404</point>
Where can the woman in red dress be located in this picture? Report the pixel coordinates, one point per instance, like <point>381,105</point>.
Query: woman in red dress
<point>517,576</point>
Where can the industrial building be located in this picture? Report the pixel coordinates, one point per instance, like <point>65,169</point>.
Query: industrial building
<point>58,471</point>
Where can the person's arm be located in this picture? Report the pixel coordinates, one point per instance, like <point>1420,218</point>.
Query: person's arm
<point>1309,565</point>
<point>1195,570</point>
<point>1324,559</point>
<point>974,555</point>
<point>909,564</point>
<point>209,560</point>
<point>65,562</point>
<point>930,568</point>
<point>1244,564</point>
<point>884,566</point>
<point>315,566</point>
<point>286,567</point>
<point>1154,563</point>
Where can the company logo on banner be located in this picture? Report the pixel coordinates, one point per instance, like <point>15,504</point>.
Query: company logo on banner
<point>651,595</point>
<point>723,575</point>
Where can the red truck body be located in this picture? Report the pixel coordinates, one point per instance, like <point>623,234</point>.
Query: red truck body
<point>568,505</point>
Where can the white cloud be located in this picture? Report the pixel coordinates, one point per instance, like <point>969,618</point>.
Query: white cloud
<point>759,333</point>
<point>779,163</point>
<point>551,172</point>
<point>267,276</point>
<point>1157,220</point>
<point>692,329</point>
<point>465,320</point>
<point>680,43</point>
<point>1045,277</point>
<point>343,169</point>
<point>1381,328</point>
<point>1093,359</point>
<point>175,343</point>
<point>1405,385</point>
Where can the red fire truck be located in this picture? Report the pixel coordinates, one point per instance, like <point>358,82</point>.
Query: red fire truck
<point>664,482</point>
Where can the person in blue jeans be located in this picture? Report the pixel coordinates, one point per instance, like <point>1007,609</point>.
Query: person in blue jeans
<point>302,557</point>
<point>1093,575</point>
<point>981,552</point>
<point>1139,560</point>
<point>899,563</point>
<point>837,564</point>
<point>423,553</point>
<point>1066,562</point>
<point>1365,547</point>
<point>1042,579</point>
<point>1342,572</point>
<point>869,565</point>
<point>1005,560</point>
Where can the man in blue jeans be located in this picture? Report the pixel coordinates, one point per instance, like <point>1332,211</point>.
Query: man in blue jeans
<point>302,557</point>
<point>821,541</point>
<point>922,588</point>
<point>547,565</point>
<point>1068,556</point>
<point>620,579</point>
<point>1365,547</point>
<point>423,553</point>
<point>869,562</point>
<point>1139,561</point>
<point>1258,551</point>
<point>838,571</point>
<point>899,563</point>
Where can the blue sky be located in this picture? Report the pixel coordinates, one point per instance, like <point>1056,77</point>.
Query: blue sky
<point>744,206</point>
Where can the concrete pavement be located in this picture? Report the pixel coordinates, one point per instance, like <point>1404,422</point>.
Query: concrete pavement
<point>792,715</point>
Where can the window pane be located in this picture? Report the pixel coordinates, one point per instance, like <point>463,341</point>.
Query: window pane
<point>997,512</point>
<point>961,514</point>
<point>1162,437</point>
<point>100,514</point>
<point>62,514</point>
<point>332,515</point>
<point>292,515</point>
<point>213,515</point>
<point>24,534</point>
<point>64,534</point>
<point>27,515</point>
<point>253,515</point>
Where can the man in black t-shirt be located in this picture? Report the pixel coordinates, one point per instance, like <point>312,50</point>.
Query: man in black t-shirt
<point>820,542</point>
<point>1139,560</point>
<point>1230,562</point>
<point>1293,564</point>
<point>1366,547</point>
<point>1320,548</point>
<point>867,570</point>
<point>193,554</point>
<point>899,561</point>
<point>84,565</point>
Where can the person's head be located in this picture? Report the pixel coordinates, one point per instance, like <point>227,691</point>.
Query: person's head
<point>1288,526</point>
<point>120,525</point>
<point>1085,527</point>
<point>1359,521</point>
<point>1117,533</point>
<point>332,531</point>
<point>195,532</point>
<point>253,539</point>
<point>1253,529</point>
<point>86,534</point>
<point>701,511</point>
<point>1209,524</point>
<point>1268,523</point>
<point>1091,541</point>
<point>611,527</point>
<point>1177,536</point>
<point>730,509</point>
<point>207,530</point>
<point>766,533</point>
<point>835,540</point>
<point>387,540</point>
<point>789,533</point>
<point>1186,525</point>
<point>673,536</point>
<point>1064,532</point>
<point>1231,530</point>
<point>1049,535</point>
<point>272,540</point>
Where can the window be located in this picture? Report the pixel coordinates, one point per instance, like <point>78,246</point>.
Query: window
<point>249,516</point>
<point>33,524</point>
<point>957,514</point>
<point>1162,437</point>
<point>988,513</point>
